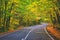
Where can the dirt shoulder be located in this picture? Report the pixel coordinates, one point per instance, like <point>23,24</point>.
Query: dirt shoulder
<point>53,32</point>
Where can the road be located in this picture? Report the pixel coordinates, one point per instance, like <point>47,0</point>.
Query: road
<point>36,32</point>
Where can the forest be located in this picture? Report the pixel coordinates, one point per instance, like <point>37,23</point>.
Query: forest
<point>16,13</point>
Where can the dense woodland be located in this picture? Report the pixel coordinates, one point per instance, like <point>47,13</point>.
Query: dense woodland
<point>16,13</point>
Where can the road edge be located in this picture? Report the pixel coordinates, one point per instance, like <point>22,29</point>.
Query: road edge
<point>48,34</point>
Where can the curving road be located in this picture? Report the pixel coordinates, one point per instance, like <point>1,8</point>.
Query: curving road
<point>36,32</point>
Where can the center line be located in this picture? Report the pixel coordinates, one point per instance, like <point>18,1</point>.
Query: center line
<point>27,35</point>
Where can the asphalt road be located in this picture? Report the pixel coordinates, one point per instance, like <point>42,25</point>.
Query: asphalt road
<point>36,32</point>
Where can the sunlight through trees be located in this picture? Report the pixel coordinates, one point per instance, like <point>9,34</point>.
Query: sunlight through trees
<point>15,13</point>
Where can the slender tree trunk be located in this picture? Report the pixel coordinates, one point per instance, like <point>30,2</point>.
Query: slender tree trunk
<point>58,16</point>
<point>0,12</point>
<point>5,15</point>
<point>8,18</point>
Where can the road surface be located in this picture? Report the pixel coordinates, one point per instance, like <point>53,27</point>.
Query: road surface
<point>36,32</point>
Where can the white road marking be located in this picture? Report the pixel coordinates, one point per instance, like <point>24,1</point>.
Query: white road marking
<point>32,30</point>
<point>27,35</point>
<point>48,34</point>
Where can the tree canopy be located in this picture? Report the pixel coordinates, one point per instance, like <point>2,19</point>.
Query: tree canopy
<point>14,13</point>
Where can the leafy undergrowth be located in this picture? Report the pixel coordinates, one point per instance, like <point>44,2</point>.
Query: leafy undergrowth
<point>54,32</point>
